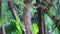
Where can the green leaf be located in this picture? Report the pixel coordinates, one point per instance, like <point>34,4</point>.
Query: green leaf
<point>55,1</point>
<point>2,21</point>
<point>52,11</point>
<point>55,31</point>
<point>35,28</point>
<point>17,1</point>
<point>48,22</point>
<point>18,27</point>
<point>34,2</point>
<point>46,3</point>
<point>4,7</point>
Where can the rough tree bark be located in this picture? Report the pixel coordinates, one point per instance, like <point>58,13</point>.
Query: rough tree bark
<point>41,23</point>
<point>27,17</point>
<point>41,31</point>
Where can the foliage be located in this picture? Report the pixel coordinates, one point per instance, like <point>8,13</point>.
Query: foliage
<point>15,28</point>
<point>56,31</point>
<point>35,28</point>
<point>18,27</point>
<point>45,3</point>
<point>11,28</point>
<point>52,11</point>
<point>17,1</point>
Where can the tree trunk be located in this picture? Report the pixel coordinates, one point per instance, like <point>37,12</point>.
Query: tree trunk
<point>27,17</point>
<point>40,21</point>
<point>40,16</point>
<point>59,1</point>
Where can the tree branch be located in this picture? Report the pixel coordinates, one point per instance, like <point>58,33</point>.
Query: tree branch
<point>14,13</point>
